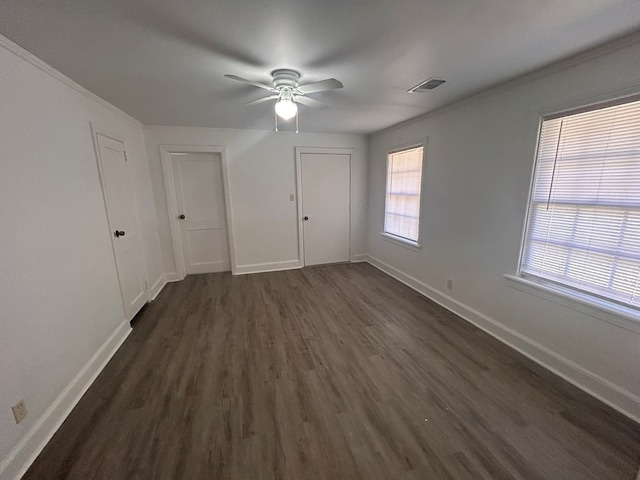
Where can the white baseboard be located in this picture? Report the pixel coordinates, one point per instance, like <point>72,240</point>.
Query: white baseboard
<point>172,277</point>
<point>267,267</point>
<point>25,452</point>
<point>358,257</point>
<point>613,395</point>
<point>157,287</point>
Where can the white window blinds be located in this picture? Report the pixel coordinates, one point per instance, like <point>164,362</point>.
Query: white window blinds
<point>584,214</point>
<point>402,207</point>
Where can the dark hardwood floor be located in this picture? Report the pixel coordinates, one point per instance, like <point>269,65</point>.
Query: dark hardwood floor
<point>336,372</point>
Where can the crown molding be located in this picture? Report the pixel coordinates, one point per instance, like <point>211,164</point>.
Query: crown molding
<point>20,52</point>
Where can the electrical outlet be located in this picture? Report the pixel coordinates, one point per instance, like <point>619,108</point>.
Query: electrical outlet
<point>450,283</point>
<point>292,197</point>
<point>19,411</point>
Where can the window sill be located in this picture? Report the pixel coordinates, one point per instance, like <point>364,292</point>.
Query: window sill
<point>609,312</point>
<point>408,244</point>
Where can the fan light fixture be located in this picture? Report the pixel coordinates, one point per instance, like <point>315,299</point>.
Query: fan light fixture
<point>286,108</point>
<point>288,93</point>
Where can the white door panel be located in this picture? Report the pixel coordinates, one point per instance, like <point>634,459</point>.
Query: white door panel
<point>200,197</point>
<point>325,180</point>
<point>121,216</point>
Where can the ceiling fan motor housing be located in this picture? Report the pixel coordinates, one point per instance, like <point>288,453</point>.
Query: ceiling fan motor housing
<point>285,78</point>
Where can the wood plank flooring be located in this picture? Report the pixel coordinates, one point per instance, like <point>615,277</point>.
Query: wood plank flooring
<point>335,372</point>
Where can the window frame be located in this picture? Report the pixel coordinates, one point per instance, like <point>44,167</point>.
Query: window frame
<point>592,304</point>
<point>390,237</point>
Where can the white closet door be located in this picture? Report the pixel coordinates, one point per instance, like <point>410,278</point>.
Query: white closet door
<point>325,180</point>
<point>121,215</point>
<point>201,211</point>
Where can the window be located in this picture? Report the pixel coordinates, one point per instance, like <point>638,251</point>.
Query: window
<point>402,205</point>
<point>583,227</point>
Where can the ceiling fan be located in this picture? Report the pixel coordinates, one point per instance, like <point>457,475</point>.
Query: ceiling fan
<point>287,92</point>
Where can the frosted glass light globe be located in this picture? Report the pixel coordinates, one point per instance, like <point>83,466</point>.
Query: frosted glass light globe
<point>286,108</point>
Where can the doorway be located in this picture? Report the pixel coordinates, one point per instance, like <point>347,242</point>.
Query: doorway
<point>324,199</point>
<point>123,225</point>
<point>199,209</point>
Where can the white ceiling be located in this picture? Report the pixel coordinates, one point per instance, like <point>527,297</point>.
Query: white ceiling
<point>163,61</point>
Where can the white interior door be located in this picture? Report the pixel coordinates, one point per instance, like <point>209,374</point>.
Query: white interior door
<point>201,211</point>
<point>325,182</point>
<point>122,222</point>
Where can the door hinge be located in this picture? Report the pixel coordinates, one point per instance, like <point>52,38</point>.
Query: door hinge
<point>125,156</point>
<point>146,287</point>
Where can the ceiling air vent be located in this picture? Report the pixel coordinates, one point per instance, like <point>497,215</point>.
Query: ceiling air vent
<point>429,84</point>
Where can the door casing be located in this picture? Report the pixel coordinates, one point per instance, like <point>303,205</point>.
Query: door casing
<point>172,201</point>
<point>100,130</point>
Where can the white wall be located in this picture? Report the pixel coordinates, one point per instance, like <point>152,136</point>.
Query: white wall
<point>479,160</point>
<point>61,313</point>
<point>262,176</point>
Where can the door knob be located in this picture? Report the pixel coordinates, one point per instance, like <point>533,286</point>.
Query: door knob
<point>118,233</point>
<point>181,217</point>
<point>306,218</point>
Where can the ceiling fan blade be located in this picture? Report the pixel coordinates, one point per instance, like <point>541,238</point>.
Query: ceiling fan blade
<point>328,84</point>
<point>262,100</point>
<point>310,102</point>
<point>255,84</point>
